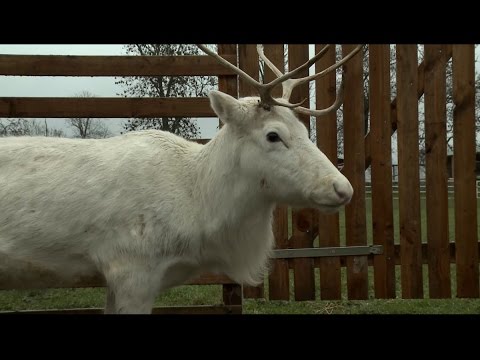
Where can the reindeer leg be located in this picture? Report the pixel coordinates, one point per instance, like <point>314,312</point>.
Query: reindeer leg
<point>110,306</point>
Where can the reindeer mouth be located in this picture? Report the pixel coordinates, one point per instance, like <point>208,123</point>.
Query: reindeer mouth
<point>329,206</point>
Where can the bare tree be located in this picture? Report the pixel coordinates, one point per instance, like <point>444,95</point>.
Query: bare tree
<point>85,128</point>
<point>24,127</point>
<point>165,86</point>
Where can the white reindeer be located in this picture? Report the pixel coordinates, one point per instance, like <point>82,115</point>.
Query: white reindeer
<point>150,210</point>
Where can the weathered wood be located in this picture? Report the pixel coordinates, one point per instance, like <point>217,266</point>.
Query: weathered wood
<point>228,83</point>
<point>303,221</point>
<point>424,255</point>
<point>232,293</point>
<point>40,107</point>
<point>381,165</point>
<point>328,225</point>
<point>436,172</point>
<point>396,254</point>
<point>393,105</point>
<point>278,281</point>
<point>354,170</point>
<point>464,170</point>
<point>60,65</point>
<point>408,172</point>
<point>248,62</point>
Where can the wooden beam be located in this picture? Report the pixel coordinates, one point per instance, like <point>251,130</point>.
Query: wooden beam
<point>466,236</point>
<point>382,204</point>
<point>42,107</point>
<point>60,65</point>
<point>408,172</point>
<point>439,282</point>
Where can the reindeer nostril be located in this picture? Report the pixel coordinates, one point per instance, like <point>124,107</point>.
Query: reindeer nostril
<point>344,190</point>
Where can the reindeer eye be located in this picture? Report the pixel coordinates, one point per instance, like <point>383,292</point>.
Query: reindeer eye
<point>273,137</point>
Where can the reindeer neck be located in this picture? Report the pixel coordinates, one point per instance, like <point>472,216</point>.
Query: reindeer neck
<point>223,192</point>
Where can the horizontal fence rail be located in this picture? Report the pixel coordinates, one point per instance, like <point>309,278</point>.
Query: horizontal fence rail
<point>58,65</point>
<point>327,251</point>
<point>104,107</point>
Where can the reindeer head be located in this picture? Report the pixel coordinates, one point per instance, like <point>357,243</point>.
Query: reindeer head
<point>273,146</point>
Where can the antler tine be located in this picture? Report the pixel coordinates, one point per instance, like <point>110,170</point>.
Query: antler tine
<point>336,105</point>
<point>264,90</point>
<point>285,79</point>
<point>296,71</point>
<point>277,72</point>
<point>235,69</point>
<point>288,87</point>
<point>296,82</point>
<point>268,62</point>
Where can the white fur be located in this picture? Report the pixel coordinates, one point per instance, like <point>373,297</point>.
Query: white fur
<point>150,210</point>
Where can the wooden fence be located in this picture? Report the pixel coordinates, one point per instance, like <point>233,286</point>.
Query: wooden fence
<point>434,261</point>
<point>378,247</point>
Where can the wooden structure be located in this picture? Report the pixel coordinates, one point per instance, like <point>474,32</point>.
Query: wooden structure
<point>385,261</point>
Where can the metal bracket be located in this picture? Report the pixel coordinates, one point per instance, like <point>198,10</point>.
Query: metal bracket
<point>328,251</point>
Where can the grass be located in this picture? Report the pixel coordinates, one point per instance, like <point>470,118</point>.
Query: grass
<point>212,294</point>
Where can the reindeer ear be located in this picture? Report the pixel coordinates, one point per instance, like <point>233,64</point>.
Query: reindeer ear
<point>225,106</point>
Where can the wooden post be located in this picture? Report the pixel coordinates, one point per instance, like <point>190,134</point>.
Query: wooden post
<point>354,170</point>
<point>408,172</point>
<point>302,220</point>
<point>466,238</point>
<point>381,145</point>
<point>436,171</point>
<point>328,225</point>
<point>278,281</point>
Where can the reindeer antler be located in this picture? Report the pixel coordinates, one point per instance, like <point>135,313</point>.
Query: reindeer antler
<point>288,84</point>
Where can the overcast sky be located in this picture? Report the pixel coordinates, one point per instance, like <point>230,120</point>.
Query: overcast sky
<point>50,86</point>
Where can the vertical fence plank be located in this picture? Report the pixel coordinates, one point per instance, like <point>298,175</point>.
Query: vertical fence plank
<point>328,227</point>
<point>436,172</point>
<point>354,149</point>
<point>408,172</point>
<point>278,281</point>
<point>302,220</point>
<point>228,83</point>
<point>232,294</point>
<point>381,150</point>
<point>248,62</point>
<point>464,170</point>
